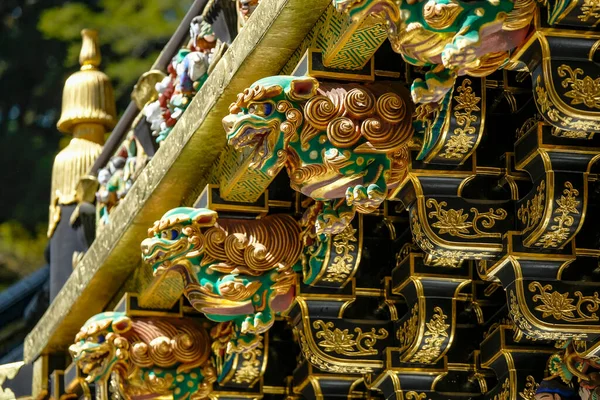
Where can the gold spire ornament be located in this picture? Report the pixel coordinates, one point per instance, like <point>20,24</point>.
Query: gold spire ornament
<point>88,112</point>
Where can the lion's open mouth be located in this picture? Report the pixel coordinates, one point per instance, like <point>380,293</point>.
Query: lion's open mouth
<point>159,252</point>
<point>250,137</point>
<point>92,363</point>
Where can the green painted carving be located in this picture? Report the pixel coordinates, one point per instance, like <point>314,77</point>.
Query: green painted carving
<point>453,37</point>
<point>344,145</point>
<point>146,357</point>
<point>234,270</point>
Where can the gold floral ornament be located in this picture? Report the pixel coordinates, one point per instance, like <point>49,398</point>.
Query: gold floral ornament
<point>504,393</point>
<point>531,213</point>
<point>590,9</point>
<point>439,258</point>
<point>572,134</point>
<point>345,343</point>
<point>567,207</point>
<point>435,335</point>
<point>530,387</point>
<point>250,370</point>
<point>408,332</point>
<point>560,305</point>
<point>415,396</point>
<point>583,91</point>
<point>343,263</point>
<point>455,223</point>
<point>460,143</point>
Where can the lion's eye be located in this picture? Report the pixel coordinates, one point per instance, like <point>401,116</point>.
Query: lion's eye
<point>174,234</point>
<point>267,109</point>
<point>100,338</point>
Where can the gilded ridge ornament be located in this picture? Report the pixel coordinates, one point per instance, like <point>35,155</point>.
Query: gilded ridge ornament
<point>560,305</point>
<point>455,223</point>
<point>567,207</point>
<point>345,343</point>
<point>436,334</point>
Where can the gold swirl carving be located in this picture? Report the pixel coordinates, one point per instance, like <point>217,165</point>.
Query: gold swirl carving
<point>359,103</point>
<point>373,113</point>
<point>460,143</point>
<point>560,305</point>
<point>325,365</point>
<point>439,15</point>
<point>342,132</point>
<point>412,395</point>
<point>584,91</point>
<point>341,342</point>
<point>590,9</point>
<point>567,205</point>
<point>343,263</point>
<point>250,369</point>
<point>408,331</point>
<point>435,335</point>
<point>531,213</point>
<point>252,247</point>
<point>530,387</point>
<point>455,223</point>
<point>293,119</point>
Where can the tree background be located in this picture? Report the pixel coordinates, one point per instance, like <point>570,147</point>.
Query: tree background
<point>39,48</point>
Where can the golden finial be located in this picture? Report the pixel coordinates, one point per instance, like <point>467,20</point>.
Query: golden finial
<point>88,111</point>
<point>89,57</point>
<point>88,96</point>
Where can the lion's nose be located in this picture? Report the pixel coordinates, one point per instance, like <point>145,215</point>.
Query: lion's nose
<point>228,123</point>
<point>145,247</point>
<point>74,351</point>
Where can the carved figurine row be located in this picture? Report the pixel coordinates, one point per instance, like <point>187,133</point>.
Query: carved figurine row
<point>186,74</point>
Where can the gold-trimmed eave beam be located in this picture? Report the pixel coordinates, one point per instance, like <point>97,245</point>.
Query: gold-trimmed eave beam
<point>178,171</point>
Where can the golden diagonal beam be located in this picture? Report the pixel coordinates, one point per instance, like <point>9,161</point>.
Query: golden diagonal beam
<point>178,171</point>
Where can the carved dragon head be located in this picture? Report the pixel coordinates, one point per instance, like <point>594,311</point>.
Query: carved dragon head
<point>266,116</point>
<point>112,342</point>
<point>176,236</point>
<point>99,346</point>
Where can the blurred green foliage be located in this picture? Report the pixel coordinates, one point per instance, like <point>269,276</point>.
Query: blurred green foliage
<point>39,47</point>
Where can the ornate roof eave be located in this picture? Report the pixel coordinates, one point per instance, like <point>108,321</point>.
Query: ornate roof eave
<point>178,170</point>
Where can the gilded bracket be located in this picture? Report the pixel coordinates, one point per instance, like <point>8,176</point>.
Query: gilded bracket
<point>451,133</point>
<point>426,332</point>
<point>565,79</point>
<point>553,212</point>
<point>337,345</point>
<point>518,366</point>
<point>448,228</point>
